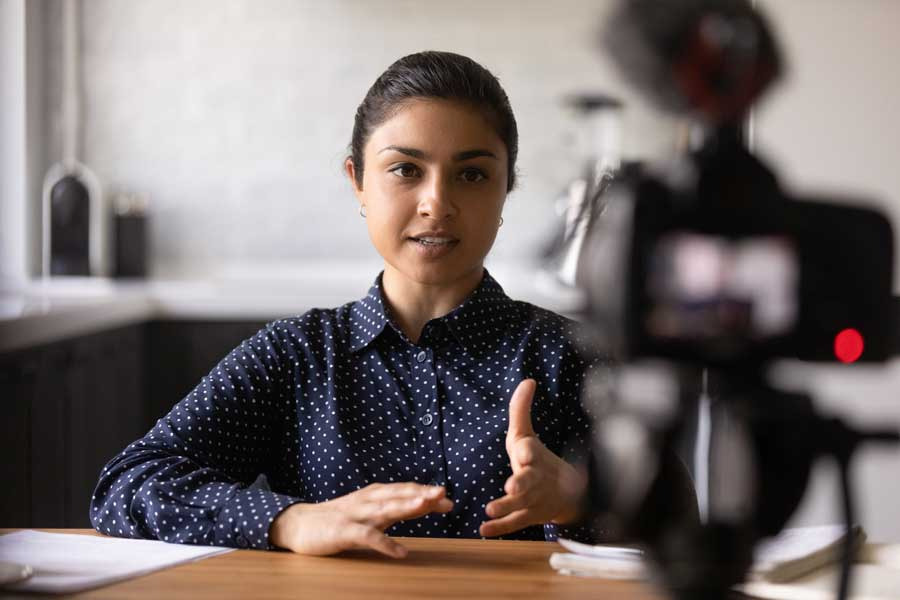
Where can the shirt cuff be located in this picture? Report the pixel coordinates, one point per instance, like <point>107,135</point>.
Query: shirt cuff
<point>245,519</point>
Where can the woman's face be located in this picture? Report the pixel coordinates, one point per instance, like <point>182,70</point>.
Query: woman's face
<point>434,183</point>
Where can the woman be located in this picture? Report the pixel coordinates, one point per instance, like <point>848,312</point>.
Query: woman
<point>434,406</point>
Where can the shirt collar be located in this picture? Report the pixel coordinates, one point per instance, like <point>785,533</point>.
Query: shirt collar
<point>368,317</point>
<point>474,323</point>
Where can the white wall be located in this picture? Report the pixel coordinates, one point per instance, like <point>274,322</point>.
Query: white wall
<point>834,125</point>
<point>13,224</point>
<point>22,116</point>
<point>234,117</point>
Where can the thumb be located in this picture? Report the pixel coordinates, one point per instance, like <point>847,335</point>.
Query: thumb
<point>520,411</point>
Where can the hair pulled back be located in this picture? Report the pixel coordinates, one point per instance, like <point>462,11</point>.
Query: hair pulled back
<point>432,74</point>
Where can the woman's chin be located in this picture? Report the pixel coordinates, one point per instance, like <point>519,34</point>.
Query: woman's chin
<point>435,272</point>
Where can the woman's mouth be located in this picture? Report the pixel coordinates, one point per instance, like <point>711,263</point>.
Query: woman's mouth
<point>435,241</point>
<point>433,247</point>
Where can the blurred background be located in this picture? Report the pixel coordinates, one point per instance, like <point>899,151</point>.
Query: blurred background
<point>226,123</point>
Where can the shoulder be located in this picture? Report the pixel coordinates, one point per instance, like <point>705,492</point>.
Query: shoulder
<point>554,336</point>
<point>541,322</point>
<point>312,330</point>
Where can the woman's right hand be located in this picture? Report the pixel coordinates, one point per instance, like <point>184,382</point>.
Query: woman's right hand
<point>357,520</point>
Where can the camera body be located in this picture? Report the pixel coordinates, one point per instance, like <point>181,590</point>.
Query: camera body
<point>698,274</point>
<point>715,265</point>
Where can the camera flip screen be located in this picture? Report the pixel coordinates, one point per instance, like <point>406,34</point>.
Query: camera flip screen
<point>705,288</point>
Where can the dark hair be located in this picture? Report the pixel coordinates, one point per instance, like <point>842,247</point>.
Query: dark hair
<point>435,75</point>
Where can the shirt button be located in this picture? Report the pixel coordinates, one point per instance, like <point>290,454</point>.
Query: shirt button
<point>242,541</point>
<point>427,419</point>
<point>422,356</point>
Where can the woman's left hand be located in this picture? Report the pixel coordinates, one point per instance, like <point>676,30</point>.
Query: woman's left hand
<point>543,487</point>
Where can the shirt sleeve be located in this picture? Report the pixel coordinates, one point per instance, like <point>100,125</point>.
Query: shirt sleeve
<point>189,479</point>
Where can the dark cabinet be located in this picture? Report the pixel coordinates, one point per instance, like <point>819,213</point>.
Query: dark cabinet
<point>68,407</point>
<point>49,438</point>
<point>17,390</point>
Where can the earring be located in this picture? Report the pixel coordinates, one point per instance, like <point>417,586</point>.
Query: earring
<point>501,221</point>
<point>362,210</point>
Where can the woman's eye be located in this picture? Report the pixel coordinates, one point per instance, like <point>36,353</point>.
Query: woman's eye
<point>405,170</point>
<point>472,175</point>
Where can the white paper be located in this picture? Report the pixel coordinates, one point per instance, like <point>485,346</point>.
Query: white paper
<point>620,561</point>
<point>590,566</point>
<point>794,544</point>
<point>601,551</point>
<point>604,561</point>
<point>868,582</point>
<point>65,562</point>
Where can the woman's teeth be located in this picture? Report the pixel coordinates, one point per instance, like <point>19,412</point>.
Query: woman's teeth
<point>430,241</point>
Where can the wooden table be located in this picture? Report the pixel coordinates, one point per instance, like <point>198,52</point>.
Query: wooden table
<point>434,568</point>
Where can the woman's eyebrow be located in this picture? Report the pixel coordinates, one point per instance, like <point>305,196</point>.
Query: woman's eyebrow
<point>467,154</point>
<point>459,156</point>
<point>403,150</point>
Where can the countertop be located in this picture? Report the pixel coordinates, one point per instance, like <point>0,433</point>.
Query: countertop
<point>47,310</point>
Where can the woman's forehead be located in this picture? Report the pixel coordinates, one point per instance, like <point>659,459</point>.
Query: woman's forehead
<point>439,126</point>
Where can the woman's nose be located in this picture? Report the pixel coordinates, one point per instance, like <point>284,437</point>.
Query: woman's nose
<point>436,201</point>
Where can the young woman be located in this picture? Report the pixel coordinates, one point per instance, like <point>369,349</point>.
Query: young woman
<point>433,406</point>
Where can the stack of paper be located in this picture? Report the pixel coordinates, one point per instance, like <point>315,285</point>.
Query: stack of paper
<point>790,554</point>
<point>798,564</point>
<point>64,563</point>
<point>795,552</point>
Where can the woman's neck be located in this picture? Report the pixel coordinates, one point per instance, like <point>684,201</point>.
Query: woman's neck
<point>413,303</point>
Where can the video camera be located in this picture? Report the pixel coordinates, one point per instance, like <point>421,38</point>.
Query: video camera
<point>701,273</point>
<point>715,265</point>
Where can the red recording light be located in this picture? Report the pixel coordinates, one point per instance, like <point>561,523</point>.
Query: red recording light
<point>848,345</point>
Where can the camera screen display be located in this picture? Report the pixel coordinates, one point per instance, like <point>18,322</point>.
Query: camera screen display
<point>705,288</point>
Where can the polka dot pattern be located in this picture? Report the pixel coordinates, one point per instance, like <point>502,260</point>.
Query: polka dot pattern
<point>328,402</point>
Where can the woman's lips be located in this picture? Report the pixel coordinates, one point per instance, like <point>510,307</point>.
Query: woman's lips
<point>432,248</point>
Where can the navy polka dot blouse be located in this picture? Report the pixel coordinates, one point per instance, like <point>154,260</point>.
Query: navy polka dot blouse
<point>328,402</point>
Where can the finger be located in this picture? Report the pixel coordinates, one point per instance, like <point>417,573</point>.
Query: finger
<point>391,491</point>
<point>360,535</point>
<point>522,492</point>
<point>526,451</point>
<point>505,505</point>
<point>522,482</point>
<point>386,513</point>
<point>508,524</point>
<point>520,411</point>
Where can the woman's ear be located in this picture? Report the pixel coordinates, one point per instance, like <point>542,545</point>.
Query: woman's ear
<point>351,175</point>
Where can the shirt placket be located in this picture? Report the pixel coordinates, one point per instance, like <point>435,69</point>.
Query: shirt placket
<point>427,416</point>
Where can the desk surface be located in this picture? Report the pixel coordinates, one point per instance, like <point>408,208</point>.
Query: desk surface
<point>434,568</point>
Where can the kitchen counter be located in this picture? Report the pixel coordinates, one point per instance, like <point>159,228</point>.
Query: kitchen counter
<point>44,311</point>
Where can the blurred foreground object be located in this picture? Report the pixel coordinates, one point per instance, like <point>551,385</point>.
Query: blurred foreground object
<point>699,275</point>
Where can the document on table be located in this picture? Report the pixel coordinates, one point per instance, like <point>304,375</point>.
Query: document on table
<point>798,564</point>
<point>64,563</point>
<point>787,556</point>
